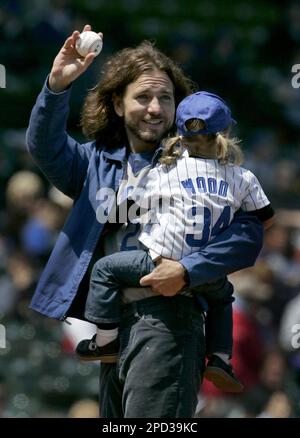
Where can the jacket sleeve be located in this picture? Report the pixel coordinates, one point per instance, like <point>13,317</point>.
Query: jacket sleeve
<point>235,248</point>
<point>63,160</point>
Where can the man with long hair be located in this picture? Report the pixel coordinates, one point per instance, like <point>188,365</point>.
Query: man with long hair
<point>125,116</point>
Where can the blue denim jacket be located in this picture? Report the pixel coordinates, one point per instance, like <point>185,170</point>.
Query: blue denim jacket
<point>79,171</point>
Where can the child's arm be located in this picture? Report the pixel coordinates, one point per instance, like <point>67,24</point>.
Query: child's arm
<point>266,215</point>
<point>257,203</point>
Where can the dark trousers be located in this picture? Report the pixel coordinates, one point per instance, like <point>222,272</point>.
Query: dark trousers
<point>161,361</point>
<point>124,269</point>
<point>218,322</point>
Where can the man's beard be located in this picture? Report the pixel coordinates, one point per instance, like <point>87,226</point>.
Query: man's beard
<point>148,137</point>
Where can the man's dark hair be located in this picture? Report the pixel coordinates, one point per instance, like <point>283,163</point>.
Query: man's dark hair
<point>99,119</point>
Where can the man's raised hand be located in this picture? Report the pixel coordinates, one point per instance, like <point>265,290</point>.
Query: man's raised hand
<point>68,64</point>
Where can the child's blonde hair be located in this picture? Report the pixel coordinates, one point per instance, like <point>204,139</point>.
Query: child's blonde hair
<point>228,149</point>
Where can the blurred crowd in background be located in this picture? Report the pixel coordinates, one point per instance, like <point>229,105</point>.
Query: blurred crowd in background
<point>244,51</point>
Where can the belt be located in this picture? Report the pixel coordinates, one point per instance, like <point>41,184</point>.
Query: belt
<point>177,305</point>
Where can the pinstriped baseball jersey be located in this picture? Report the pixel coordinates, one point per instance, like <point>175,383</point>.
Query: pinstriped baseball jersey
<point>194,200</point>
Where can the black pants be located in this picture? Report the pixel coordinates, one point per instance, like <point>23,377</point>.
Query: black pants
<point>161,361</point>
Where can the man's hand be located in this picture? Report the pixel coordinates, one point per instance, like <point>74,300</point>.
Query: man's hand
<point>167,278</point>
<point>68,64</point>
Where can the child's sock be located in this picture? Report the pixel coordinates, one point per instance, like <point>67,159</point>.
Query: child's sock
<point>106,336</point>
<point>223,356</point>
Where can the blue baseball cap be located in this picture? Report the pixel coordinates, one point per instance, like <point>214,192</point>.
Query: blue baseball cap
<point>209,107</point>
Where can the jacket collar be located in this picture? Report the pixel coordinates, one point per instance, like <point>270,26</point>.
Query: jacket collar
<point>119,153</point>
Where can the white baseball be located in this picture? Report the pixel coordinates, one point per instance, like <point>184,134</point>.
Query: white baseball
<point>87,42</point>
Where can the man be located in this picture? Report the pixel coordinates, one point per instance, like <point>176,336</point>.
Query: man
<point>127,114</point>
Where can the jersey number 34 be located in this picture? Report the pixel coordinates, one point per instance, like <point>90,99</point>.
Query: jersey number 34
<point>208,231</point>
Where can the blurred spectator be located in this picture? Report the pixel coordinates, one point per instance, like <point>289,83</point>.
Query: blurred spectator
<point>43,224</point>
<point>272,378</point>
<point>249,339</point>
<point>279,405</point>
<point>24,189</point>
<point>22,276</point>
<point>84,409</point>
<point>40,231</point>
<point>60,199</point>
<point>248,343</point>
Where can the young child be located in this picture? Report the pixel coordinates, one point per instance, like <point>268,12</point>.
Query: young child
<point>200,186</point>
